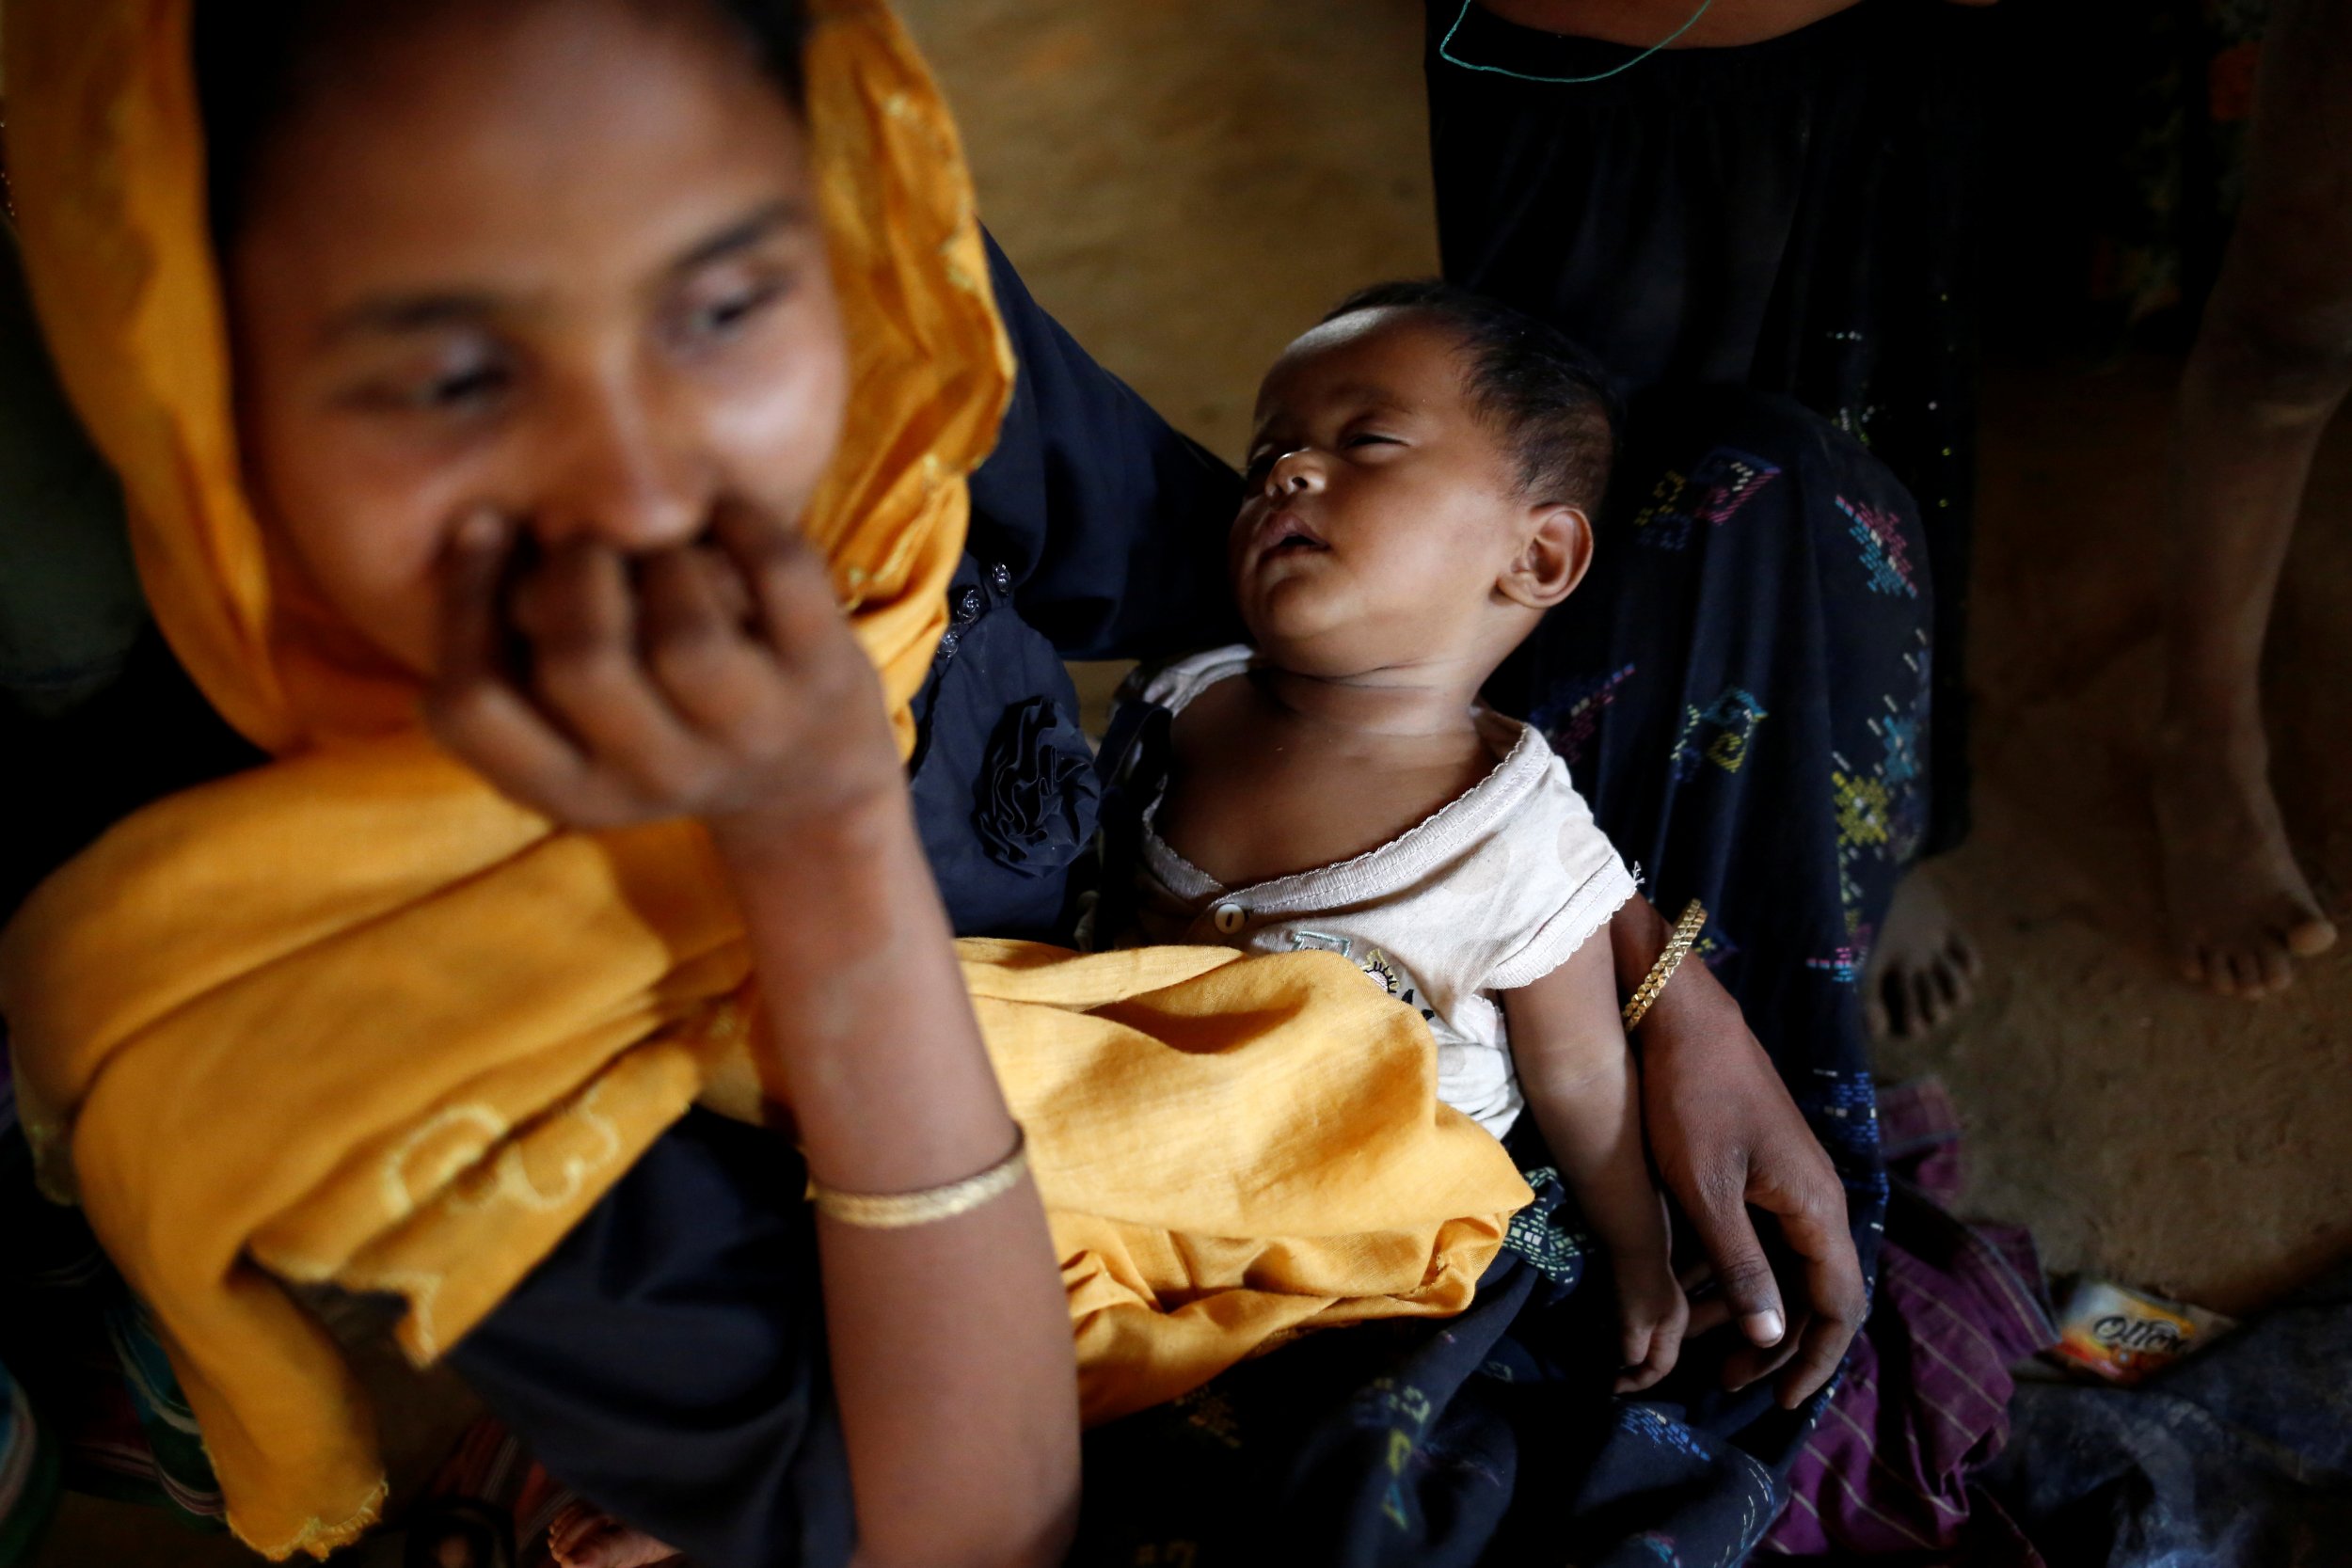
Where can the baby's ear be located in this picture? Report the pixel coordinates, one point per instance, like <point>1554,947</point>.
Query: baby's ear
<point>1552,558</point>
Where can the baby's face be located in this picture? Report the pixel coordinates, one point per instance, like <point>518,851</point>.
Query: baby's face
<point>1379,510</point>
<point>556,259</point>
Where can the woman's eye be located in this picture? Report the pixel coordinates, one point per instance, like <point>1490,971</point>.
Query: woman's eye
<point>462,390</point>
<point>726,314</point>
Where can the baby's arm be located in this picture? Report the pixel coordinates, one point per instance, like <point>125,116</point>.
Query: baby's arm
<point>1569,1042</point>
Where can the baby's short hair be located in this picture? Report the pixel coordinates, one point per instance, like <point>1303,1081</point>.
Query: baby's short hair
<point>1549,394</point>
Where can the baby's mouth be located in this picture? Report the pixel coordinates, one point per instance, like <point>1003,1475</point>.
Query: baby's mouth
<point>1286,533</point>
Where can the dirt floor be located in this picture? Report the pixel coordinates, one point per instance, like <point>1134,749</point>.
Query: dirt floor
<point>1189,185</point>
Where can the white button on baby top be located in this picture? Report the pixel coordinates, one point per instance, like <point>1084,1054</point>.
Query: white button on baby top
<point>1228,918</point>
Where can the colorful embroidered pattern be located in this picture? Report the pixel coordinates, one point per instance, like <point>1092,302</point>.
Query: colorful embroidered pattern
<point>1845,964</point>
<point>1570,720</point>
<point>1900,734</point>
<point>1862,808</point>
<point>1537,1234</point>
<point>1723,482</point>
<point>1208,1412</point>
<point>1880,811</point>
<point>1842,1108</point>
<point>1720,733</point>
<point>1885,553</point>
<point>1644,1422</point>
<point>1404,1410</point>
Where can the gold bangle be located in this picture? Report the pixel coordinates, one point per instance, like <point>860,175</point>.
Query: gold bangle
<point>1686,932</point>
<point>898,1211</point>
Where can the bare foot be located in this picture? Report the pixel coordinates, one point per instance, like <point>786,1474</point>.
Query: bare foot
<point>2238,906</point>
<point>581,1537</point>
<point>1923,969</point>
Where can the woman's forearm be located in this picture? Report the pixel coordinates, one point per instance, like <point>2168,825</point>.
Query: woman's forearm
<point>950,1341</point>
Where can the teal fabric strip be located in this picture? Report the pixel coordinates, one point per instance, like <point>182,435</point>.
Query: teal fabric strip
<point>1445,52</point>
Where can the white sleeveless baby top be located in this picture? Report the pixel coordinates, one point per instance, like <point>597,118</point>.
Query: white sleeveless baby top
<point>1491,893</point>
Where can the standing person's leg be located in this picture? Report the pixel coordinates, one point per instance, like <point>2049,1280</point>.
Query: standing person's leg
<point>2271,366</point>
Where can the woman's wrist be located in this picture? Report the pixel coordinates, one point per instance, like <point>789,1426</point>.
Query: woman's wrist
<point>1690,1005</point>
<point>844,818</point>
<point>1637,934</point>
<point>845,861</point>
<point>868,1029</point>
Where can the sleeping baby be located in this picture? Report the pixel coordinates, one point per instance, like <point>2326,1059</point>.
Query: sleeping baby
<point>1418,494</point>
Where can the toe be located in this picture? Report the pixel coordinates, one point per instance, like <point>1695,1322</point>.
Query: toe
<point>2219,973</point>
<point>1895,1003</point>
<point>2277,969</point>
<point>2311,935</point>
<point>1965,957</point>
<point>1874,1013</point>
<point>2245,975</point>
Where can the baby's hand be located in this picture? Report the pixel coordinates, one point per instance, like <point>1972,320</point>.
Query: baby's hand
<point>1652,1312</point>
<point>711,680</point>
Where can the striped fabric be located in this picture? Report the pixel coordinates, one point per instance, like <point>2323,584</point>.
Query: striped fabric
<point>111,1420</point>
<point>1924,1403</point>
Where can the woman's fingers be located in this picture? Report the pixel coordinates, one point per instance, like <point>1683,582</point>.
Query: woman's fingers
<point>694,611</point>
<point>1743,1274</point>
<point>718,681</point>
<point>1805,1352</point>
<point>790,588</point>
<point>472,704</point>
<point>570,1523</point>
<point>579,611</point>
<point>472,638</point>
<point>1815,1230</point>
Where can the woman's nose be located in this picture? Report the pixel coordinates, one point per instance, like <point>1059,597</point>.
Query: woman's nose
<point>626,470</point>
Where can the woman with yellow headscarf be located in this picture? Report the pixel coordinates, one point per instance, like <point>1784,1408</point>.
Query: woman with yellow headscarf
<point>609,382</point>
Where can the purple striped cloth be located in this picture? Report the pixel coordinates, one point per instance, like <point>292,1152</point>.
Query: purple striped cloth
<point>1924,1403</point>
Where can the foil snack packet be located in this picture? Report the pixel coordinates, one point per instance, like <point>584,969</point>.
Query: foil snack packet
<point>2122,1335</point>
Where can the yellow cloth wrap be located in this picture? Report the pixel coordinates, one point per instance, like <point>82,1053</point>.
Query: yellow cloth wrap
<point>353,1018</point>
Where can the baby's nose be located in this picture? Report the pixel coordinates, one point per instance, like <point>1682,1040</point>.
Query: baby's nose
<point>1291,472</point>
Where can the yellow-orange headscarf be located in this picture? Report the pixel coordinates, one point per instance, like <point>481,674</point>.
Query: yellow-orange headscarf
<point>353,1018</point>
